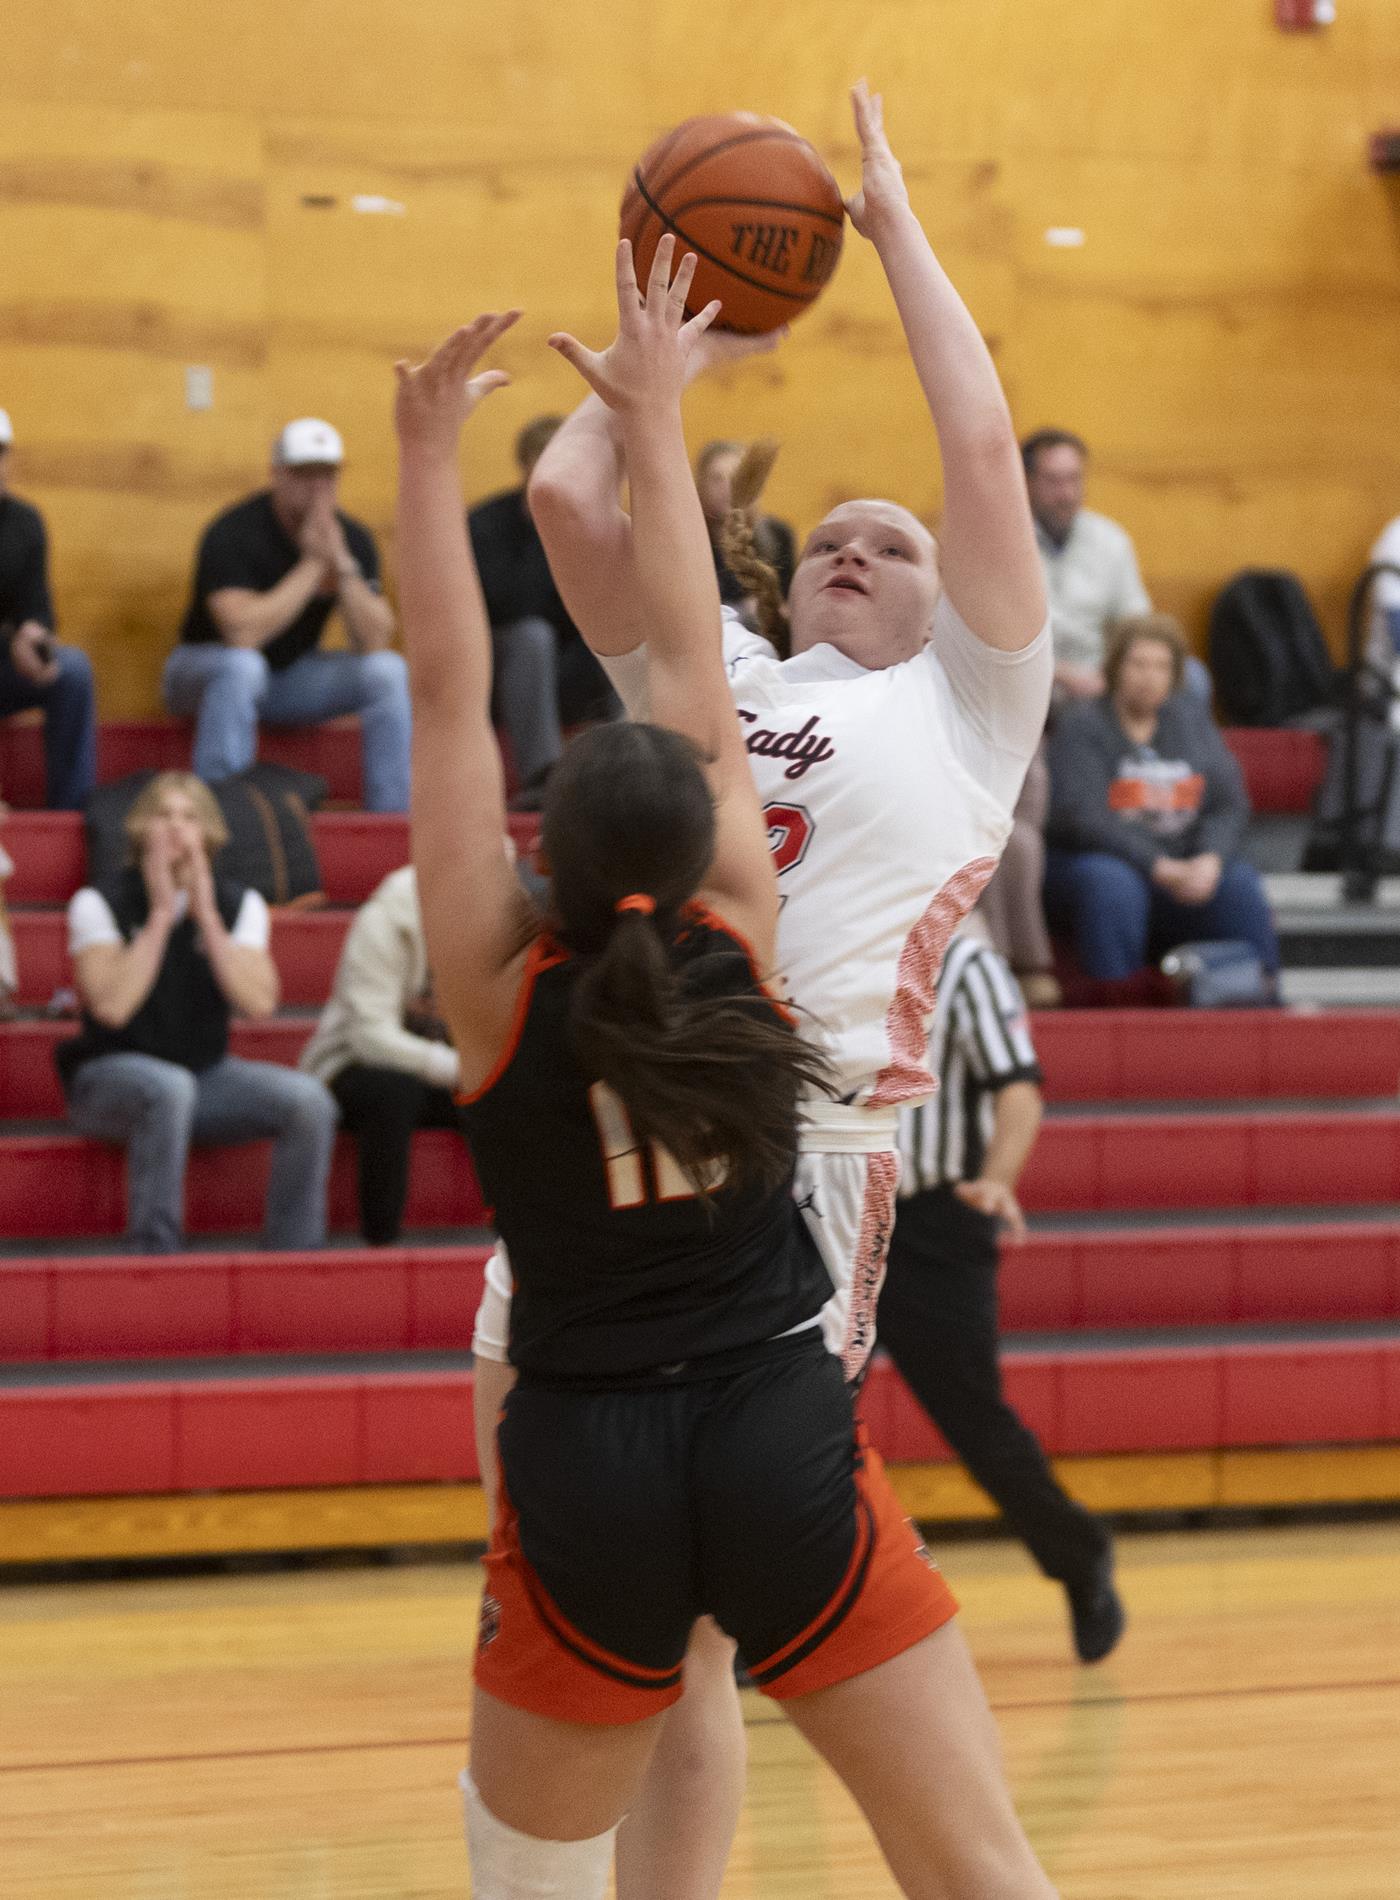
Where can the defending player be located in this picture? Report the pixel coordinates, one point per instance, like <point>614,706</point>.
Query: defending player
<point>888,754</point>
<point>680,1441</point>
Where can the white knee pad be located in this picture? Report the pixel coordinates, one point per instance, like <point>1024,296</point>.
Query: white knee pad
<point>508,1865</point>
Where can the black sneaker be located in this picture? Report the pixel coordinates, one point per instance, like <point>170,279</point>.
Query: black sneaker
<point>1096,1612</point>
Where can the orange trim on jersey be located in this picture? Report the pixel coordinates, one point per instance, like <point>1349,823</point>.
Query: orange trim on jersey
<point>870,1260</point>
<point>906,1075</point>
<point>544,954</point>
<point>699,913</point>
<point>530,1655</point>
<point>890,1598</point>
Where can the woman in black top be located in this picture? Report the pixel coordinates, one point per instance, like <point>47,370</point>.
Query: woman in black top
<point>679,1442</point>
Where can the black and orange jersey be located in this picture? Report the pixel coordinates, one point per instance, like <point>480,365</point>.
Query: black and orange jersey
<point>620,1268</point>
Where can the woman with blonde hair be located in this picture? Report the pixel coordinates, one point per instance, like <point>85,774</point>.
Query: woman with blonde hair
<point>165,954</point>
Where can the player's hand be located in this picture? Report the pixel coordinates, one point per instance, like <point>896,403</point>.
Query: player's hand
<point>996,1199</point>
<point>644,367</point>
<point>723,349</point>
<point>883,194</point>
<point>434,399</point>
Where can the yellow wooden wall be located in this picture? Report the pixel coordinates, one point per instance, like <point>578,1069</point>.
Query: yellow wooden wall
<point>1228,336</point>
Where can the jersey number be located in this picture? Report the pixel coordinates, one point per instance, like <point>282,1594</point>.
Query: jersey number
<point>638,1176</point>
<point>790,831</point>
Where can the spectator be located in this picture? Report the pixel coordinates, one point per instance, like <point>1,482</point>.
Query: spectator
<point>1091,571</point>
<point>1011,907</point>
<point>1384,642</point>
<point>544,676</point>
<point>1147,809</point>
<point>164,955</point>
<point>961,1156</point>
<point>268,574</point>
<point>35,671</point>
<point>381,1050</point>
<point>715,467</point>
<point>9,969</point>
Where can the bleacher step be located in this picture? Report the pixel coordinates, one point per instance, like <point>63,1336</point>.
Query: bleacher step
<point>300,1424</point>
<point>60,1184</point>
<point>414,1299</point>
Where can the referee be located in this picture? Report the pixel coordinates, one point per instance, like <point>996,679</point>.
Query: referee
<point>961,1155</point>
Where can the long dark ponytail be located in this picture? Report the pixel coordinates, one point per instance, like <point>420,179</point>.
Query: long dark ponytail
<point>703,1063</point>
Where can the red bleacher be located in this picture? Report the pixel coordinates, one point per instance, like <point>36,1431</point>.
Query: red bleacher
<point>240,1369</point>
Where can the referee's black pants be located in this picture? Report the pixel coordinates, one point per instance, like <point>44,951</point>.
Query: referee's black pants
<point>938,1322</point>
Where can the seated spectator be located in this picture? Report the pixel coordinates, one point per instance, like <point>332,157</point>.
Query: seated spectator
<point>773,540</point>
<point>35,671</point>
<point>544,676</point>
<point>1383,645</point>
<point>1091,568</point>
<point>164,956</point>
<point>269,572</point>
<point>1147,809</point>
<point>381,1050</point>
<point>1012,907</point>
<point>9,969</point>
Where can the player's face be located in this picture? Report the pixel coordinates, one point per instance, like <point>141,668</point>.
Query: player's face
<point>867,584</point>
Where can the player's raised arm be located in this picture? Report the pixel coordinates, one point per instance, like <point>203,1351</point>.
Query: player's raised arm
<point>640,377</point>
<point>474,912</point>
<point>576,504</point>
<point>988,555</point>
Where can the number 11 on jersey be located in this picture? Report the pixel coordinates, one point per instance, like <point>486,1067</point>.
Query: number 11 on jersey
<point>639,1174</point>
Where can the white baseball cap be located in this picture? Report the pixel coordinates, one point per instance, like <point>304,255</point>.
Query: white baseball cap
<point>7,433</point>
<point>308,440</point>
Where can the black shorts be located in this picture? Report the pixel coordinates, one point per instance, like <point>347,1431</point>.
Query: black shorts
<point>749,1496</point>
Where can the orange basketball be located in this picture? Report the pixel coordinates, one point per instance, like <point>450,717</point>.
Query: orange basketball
<point>754,202</point>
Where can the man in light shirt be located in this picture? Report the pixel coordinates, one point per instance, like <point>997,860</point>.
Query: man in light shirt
<point>1091,571</point>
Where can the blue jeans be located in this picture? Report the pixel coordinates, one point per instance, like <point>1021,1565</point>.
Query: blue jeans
<point>155,1109</point>
<point>70,724</point>
<point>1119,918</point>
<point>543,681</point>
<point>227,690</point>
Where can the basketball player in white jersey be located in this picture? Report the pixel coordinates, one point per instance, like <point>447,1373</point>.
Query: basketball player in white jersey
<point>889,751</point>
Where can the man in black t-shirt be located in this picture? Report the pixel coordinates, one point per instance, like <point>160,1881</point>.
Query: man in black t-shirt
<point>269,573</point>
<point>35,671</point>
<point>543,672</point>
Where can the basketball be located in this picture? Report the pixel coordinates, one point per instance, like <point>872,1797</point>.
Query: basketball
<point>756,204</point>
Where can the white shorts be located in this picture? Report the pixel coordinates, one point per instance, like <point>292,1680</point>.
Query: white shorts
<point>847,1200</point>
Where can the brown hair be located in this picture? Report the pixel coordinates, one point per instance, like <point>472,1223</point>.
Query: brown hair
<point>1042,440</point>
<point>534,439</point>
<point>738,545</point>
<point>711,1071</point>
<point>1126,634</point>
<point>206,810</point>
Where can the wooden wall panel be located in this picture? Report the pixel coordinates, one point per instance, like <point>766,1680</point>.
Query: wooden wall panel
<point>1225,335</point>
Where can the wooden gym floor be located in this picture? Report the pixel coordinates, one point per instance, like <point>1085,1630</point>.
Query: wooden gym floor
<point>296,1735</point>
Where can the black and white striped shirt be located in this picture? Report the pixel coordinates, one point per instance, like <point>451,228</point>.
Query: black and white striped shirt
<point>978,1043</point>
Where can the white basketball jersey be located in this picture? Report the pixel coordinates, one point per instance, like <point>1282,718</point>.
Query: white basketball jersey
<point>889,796</point>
